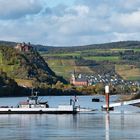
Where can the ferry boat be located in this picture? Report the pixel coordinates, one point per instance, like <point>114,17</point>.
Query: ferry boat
<point>33,106</point>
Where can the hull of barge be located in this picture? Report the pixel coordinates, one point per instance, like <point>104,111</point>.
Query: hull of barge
<point>59,110</point>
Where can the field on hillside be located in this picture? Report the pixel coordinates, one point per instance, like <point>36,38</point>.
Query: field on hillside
<point>128,72</point>
<point>103,58</point>
<point>61,54</point>
<point>65,65</point>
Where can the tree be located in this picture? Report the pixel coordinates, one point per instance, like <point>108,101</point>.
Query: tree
<point>99,88</point>
<point>59,85</point>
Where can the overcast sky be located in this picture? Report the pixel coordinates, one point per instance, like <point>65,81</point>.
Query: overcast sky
<point>69,22</point>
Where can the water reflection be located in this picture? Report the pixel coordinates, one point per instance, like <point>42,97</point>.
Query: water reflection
<point>107,124</point>
<point>122,120</point>
<point>119,119</point>
<point>75,123</point>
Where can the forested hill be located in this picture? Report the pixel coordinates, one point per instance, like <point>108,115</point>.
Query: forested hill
<point>25,65</point>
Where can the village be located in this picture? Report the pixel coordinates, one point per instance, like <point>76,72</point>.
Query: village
<point>79,79</point>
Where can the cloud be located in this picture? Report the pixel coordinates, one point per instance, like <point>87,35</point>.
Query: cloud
<point>129,5</point>
<point>126,22</point>
<point>10,9</point>
<point>125,36</point>
<point>118,5</point>
<point>84,22</point>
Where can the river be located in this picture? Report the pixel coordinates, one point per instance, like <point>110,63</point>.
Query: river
<point>121,124</point>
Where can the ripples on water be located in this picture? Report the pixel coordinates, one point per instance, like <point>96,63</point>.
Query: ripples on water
<point>123,124</point>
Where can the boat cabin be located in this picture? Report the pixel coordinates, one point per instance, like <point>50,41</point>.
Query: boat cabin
<point>32,102</point>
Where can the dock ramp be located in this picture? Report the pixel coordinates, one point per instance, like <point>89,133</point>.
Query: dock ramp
<point>131,102</point>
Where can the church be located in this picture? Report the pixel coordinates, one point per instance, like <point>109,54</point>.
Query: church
<point>78,81</point>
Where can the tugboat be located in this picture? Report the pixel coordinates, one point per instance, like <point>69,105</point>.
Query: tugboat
<point>33,106</point>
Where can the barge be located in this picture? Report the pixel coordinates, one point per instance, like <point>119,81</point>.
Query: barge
<point>33,106</point>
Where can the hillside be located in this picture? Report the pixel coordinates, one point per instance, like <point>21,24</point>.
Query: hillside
<point>26,65</point>
<point>115,63</point>
<point>121,58</point>
<point>9,87</point>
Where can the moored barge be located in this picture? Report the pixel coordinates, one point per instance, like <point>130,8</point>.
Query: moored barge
<point>33,106</point>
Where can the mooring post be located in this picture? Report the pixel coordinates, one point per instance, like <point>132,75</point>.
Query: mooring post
<point>107,97</point>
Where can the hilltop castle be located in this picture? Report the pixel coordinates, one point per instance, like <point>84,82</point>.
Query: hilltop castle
<point>23,47</point>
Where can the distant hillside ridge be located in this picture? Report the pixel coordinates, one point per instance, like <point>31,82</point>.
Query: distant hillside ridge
<point>58,49</point>
<point>111,45</point>
<point>24,62</point>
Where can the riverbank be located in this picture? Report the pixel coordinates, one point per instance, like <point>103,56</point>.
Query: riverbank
<point>21,92</point>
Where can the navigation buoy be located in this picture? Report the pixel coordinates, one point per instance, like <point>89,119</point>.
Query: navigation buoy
<point>107,97</point>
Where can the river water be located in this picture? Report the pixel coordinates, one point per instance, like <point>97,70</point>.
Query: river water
<point>121,124</point>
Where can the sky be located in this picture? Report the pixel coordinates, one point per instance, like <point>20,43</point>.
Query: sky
<point>69,22</point>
